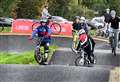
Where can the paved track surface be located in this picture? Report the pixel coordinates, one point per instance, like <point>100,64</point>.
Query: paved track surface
<point>62,67</point>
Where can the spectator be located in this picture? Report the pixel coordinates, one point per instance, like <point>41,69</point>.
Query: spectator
<point>45,12</point>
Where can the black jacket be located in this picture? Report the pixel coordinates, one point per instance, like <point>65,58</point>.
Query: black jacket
<point>77,26</point>
<point>114,22</point>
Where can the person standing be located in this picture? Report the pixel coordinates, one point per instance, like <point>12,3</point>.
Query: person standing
<point>45,12</point>
<point>107,17</point>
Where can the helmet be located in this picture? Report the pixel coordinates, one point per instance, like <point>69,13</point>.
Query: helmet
<point>82,18</point>
<point>43,20</point>
<point>77,17</point>
<point>82,31</point>
<point>113,13</point>
<point>107,9</point>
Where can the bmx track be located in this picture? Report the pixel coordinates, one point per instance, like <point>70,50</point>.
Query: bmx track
<point>20,43</point>
<point>62,67</point>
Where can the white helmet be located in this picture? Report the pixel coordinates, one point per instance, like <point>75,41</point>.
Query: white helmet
<point>82,18</point>
<point>107,9</point>
<point>113,13</point>
<point>82,31</point>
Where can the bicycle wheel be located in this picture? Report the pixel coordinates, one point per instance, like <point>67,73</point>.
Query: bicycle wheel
<point>113,47</point>
<point>98,32</point>
<point>56,28</point>
<point>1,27</point>
<point>38,56</point>
<point>81,60</point>
<point>35,25</point>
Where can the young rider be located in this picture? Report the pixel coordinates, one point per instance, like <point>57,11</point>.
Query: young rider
<point>87,44</point>
<point>83,23</point>
<point>107,17</point>
<point>43,31</point>
<point>76,27</point>
<point>79,23</point>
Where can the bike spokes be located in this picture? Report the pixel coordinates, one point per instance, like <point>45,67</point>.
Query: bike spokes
<point>35,25</point>
<point>56,28</point>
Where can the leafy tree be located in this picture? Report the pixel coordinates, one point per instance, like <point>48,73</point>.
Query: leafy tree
<point>115,5</point>
<point>6,7</point>
<point>28,8</point>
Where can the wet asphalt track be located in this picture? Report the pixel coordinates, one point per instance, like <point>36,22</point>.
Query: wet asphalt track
<point>62,68</point>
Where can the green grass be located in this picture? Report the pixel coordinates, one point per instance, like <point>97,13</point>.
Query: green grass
<point>92,32</point>
<point>7,29</point>
<point>22,58</point>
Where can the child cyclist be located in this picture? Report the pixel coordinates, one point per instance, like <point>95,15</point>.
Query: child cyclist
<point>43,31</point>
<point>76,27</point>
<point>87,44</point>
<point>78,23</point>
<point>84,41</point>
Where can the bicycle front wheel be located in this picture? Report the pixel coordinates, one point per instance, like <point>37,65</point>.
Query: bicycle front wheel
<point>1,27</point>
<point>37,56</point>
<point>56,28</point>
<point>113,46</point>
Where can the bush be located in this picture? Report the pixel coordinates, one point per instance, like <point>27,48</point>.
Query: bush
<point>80,11</point>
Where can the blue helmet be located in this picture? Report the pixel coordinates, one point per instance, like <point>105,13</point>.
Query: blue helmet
<point>77,17</point>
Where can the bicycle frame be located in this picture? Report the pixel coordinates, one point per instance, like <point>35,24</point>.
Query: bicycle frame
<point>75,38</point>
<point>113,44</point>
<point>40,58</point>
<point>39,40</point>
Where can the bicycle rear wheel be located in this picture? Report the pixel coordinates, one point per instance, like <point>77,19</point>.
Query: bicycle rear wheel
<point>35,25</point>
<point>56,28</point>
<point>1,27</point>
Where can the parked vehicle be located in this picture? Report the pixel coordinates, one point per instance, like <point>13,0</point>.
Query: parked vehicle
<point>97,22</point>
<point>6,21</point>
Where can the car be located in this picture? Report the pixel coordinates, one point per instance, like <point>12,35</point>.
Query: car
<point>6,21</point>
<point>97,22</point>
<point>59,19</point>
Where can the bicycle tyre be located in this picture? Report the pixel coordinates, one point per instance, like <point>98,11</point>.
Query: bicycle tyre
<point>35,25</point>
<point>1,27</point>
<point>78,63</point>
<point>37,56</point>
<point>113,46</point>
<point>114,51</point>
<point>56,28</point>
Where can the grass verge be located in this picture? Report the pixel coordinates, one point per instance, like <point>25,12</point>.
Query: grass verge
<point>92,32</point>
<point>7,29</point>
<point>22,58</point>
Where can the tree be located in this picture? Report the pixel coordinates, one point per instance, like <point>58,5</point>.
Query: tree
<point>115,5</point>
<point>6,7</point>
<point>29,8</point>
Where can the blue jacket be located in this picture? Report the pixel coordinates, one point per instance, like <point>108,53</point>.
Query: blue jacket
<point>85,27</point>
<point>42,31</point>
